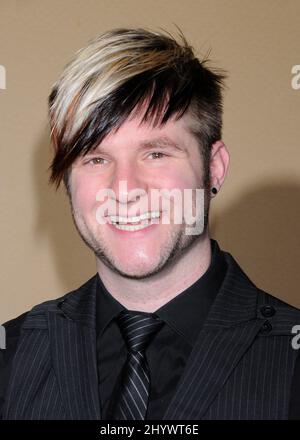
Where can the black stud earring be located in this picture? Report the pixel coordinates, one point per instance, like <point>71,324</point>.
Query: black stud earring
<point>214,190</point>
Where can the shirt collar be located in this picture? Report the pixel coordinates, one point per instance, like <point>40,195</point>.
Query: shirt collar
<point>185,313</point>
<point>107,307</point>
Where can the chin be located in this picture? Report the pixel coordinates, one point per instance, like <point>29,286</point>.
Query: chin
<point>137,270</point>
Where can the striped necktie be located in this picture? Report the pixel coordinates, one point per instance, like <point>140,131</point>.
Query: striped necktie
<point>138,329</point>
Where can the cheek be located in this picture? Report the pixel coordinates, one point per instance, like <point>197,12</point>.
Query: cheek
<point>180,201</point>
<point>84,192</point>
<point>181,180</point>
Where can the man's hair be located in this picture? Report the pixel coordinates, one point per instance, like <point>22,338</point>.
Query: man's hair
<point>122,71</point>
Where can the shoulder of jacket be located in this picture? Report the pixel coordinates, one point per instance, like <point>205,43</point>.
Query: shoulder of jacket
<point>265,298</point>
<point>12,334</point>
<point>13,325</point>
<point>37,315</point>
<point>279,314</point>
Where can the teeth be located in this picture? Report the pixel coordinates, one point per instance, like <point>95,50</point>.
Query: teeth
<point>118,219</point>
<point>130,227</point>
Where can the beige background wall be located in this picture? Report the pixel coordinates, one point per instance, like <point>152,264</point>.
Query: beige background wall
<point>256,216</point>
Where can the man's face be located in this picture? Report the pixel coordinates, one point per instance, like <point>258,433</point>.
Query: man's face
<point>144,158</point>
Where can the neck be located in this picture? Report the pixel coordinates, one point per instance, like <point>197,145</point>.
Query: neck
<point>161,287</point>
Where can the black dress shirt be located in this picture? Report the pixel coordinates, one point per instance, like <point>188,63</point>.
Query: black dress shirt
<point>169,350</point>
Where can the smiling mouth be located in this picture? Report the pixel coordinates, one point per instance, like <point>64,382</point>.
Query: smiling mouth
<point>135,223</point>
<point>133,227</point>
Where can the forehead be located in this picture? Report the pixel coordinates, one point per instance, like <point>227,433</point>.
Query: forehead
<point>136,131</point>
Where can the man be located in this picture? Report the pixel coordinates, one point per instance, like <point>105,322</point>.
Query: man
<point>169,327</point>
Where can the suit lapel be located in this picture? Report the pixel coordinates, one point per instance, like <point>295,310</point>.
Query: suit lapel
<point>73,350</point>
<point>228,331</point>
<point>57,335</point>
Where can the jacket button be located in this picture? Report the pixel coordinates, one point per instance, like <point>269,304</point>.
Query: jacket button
<point>268,311</point>
<point>266,327</point>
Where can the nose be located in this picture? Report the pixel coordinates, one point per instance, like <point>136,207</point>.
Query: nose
<point>127,183</point>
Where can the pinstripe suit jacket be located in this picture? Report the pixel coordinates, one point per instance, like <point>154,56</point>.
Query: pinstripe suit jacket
<point>241,365</point>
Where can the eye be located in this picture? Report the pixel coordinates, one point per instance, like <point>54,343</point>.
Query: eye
<point>96,161</point>
<point>158,154</point>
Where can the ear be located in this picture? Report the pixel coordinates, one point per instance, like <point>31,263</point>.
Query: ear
<point>219,163</point>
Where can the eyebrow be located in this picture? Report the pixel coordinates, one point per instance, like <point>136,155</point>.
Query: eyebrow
<point>163,141</point>
<point>159,142</point>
